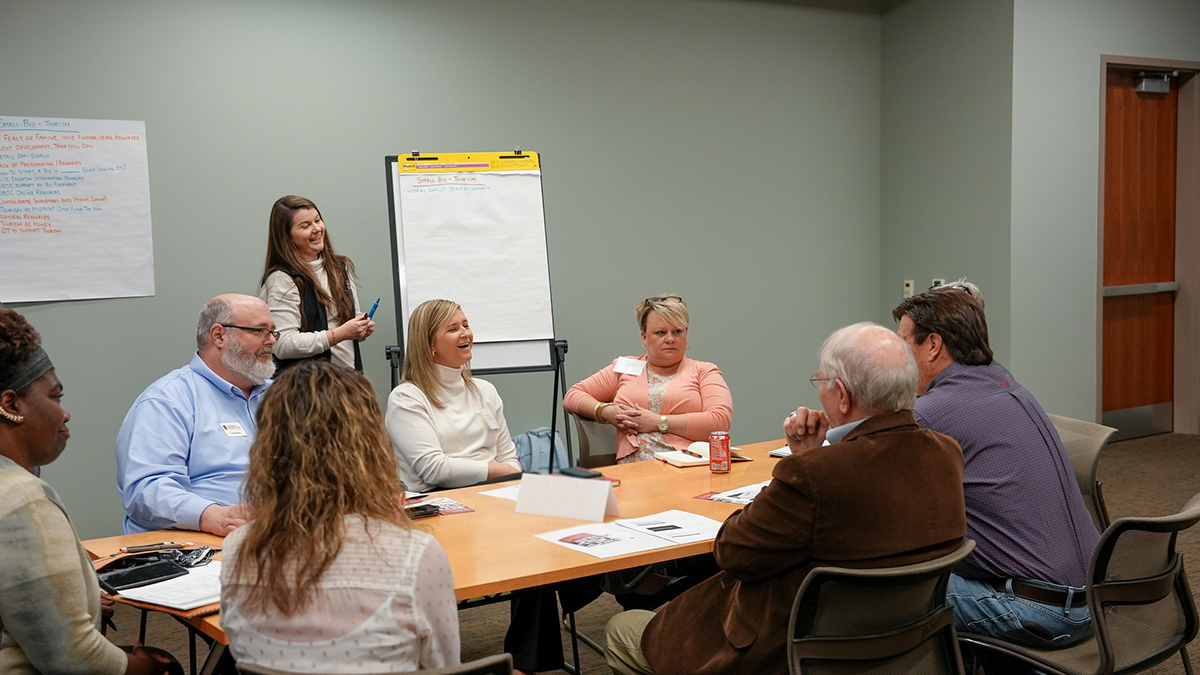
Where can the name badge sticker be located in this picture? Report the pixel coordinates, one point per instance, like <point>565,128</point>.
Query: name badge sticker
<point>490,418</point>
<point>629,366</point>
<point>233,429</point>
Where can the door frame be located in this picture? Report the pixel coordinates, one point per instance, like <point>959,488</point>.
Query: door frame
<point>1186,403</point>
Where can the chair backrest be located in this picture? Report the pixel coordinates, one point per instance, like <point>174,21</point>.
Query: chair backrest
<point>884,620</point>
<point>597,442</point>
<point>1142,606</point>
<point>499,664</point>
<point>1084,442</point>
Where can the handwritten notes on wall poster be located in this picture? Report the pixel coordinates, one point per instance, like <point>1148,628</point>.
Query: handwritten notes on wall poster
<point>74,210</point>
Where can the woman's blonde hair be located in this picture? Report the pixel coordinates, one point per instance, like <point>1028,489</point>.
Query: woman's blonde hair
<point>423,326</point>
<point>670,307</point>
<point>322,452</point>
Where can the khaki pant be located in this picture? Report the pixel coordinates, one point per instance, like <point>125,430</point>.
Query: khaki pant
<point>624,643</point>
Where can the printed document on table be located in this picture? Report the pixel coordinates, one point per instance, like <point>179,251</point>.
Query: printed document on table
<point>199,587</point>
<point>677,527</point>
<point>604,540</point>
<point>742,495</point>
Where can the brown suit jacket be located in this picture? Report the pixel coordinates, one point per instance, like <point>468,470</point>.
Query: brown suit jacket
<point>889,494</point>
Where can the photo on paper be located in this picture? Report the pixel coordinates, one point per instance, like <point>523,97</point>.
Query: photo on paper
<point>585,540</point>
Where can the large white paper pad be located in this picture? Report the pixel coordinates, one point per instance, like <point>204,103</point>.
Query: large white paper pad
<point>604,540</point>
<point>478,238</point>
<point>74,210</point>
<point>199,587</point>
<point>565,497</point>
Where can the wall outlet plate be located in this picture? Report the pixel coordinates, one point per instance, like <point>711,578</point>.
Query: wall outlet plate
<point>910,287</point>
<point>938,282</point>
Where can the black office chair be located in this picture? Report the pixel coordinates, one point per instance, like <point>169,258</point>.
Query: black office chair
<point>1084,441</point>
<point>888,620</point>
<point>1142,607</point>
<point>597,442</point>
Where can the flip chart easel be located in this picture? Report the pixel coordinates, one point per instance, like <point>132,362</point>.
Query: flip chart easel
<point>471,227</point>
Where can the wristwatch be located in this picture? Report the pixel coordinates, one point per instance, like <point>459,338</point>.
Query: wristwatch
<point>662,423</point>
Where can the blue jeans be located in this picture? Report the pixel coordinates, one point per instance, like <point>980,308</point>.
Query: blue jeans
<point>980,608</point>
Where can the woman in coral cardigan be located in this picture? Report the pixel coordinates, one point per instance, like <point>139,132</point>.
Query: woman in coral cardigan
<point>661,400</point>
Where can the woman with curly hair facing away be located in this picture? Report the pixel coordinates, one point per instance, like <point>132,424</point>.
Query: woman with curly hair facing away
<point>50,606</point>
<point>329,574</point>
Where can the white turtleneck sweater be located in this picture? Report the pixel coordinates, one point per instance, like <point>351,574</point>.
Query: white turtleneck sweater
<point>448,447</point>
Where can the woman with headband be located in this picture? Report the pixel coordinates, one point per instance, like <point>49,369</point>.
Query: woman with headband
<point>49,597</point>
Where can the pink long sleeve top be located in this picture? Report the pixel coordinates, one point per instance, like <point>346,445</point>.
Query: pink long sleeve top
<point>697,390</point>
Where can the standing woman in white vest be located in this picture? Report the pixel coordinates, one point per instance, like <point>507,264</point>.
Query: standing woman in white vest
<point>310,289</point>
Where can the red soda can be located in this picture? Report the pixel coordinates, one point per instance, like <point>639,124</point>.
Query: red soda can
<point>718,452</point>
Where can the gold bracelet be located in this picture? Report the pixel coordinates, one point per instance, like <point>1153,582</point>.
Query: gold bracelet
<point>599,409</point>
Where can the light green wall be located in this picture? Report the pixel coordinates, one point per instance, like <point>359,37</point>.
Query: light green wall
<point>726,151</point>
<point>1057,78</point>
<point>947,99</point>
<point>741,154</point>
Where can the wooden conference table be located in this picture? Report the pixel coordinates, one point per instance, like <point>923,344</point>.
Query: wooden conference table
<point>494,550</point>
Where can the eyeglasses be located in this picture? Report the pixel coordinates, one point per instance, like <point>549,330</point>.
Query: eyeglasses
<point>952,287</point>
<point>814,380</point>
<point>257,331</point>
<point>660,298</point>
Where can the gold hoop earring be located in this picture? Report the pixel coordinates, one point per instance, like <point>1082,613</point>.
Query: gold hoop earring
<point>11,417</point>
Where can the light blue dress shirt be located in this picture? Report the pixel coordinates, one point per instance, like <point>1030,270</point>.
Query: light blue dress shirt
<point>836,434</point>
<point>184,445</point>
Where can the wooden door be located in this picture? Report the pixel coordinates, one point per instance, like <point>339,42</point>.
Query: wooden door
<point>1139,255</point>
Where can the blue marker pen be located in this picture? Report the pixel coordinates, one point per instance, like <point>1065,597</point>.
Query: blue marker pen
<point>371,314</point>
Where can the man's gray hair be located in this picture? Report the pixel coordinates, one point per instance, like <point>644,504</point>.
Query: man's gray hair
<point>964,285</point>
<point>875,365</point>
<point>216,311</point>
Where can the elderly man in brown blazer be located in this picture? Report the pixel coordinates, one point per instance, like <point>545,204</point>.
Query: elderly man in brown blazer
<point>882,492</point>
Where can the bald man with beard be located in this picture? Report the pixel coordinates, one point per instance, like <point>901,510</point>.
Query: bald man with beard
<point>185,444</point>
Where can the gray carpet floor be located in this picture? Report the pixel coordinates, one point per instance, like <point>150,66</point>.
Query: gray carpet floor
<point>1144,477</point>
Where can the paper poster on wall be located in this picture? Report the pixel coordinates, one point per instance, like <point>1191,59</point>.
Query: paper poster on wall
<point>74,210</point>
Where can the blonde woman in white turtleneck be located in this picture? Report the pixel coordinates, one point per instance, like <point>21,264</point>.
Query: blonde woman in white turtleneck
<point>449,431</point>
<point>447,428</point>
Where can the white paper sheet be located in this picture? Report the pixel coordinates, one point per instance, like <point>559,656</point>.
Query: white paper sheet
<point>785,451</point>
<point>675,526</point>
<point>510,493</point>
<point>200,586</point>
<point>74,210</point>
<point>604,540</point>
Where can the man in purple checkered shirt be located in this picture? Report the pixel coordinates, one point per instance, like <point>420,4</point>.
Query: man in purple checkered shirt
<point>1033,534</point>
